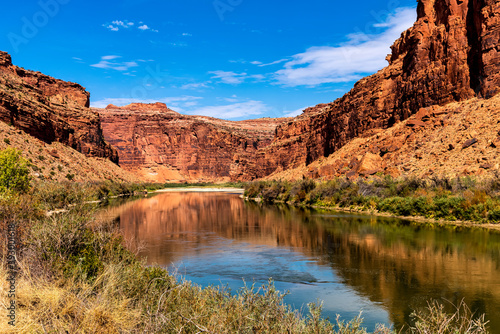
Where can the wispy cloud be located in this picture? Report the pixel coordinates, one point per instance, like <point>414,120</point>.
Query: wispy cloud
<point>261,64</point>
<point>107,62</point>
<point>362,54</point>
<point>196,85</point>
<point>293,113</point>
<point>187,105</point>
<point>124,24</point>
<point>233,78</point>
<point>229,77</point>
<point>231,111</point>
<point>175,101</point>
<point>110,57</point>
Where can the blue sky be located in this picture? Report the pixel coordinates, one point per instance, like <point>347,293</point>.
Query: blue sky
<point>231,59</point>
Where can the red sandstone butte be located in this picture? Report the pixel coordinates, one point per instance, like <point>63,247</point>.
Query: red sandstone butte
<point>50,110</point>
<point>161,144</point>
<point>452,53</point>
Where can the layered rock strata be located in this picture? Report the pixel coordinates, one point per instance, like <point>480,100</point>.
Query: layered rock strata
<point>51,110</point>
<point>452,53</point>
<point>161,144</point>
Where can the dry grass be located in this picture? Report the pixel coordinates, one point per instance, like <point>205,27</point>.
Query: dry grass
<point>76,277</point>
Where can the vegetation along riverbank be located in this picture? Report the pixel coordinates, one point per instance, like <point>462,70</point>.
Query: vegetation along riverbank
<point>435,199</point>
<point>74,274</point>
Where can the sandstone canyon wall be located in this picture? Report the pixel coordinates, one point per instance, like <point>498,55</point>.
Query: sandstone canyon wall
<point>51,110</point>
<point>452,53</point>
<point>160,144</point>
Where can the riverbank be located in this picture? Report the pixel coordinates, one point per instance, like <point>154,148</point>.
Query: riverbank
<point>459,202</point>
<point>76,275</point>
<point>202,190</point>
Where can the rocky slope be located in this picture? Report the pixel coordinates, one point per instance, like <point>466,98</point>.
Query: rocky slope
<point>452,53</point>
<point>459,139</point>
<point>51,110</point>
<point>58,162</point>
<point>160,144</point>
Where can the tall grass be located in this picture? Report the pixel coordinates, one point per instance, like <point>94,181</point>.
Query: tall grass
<point>76,276</point>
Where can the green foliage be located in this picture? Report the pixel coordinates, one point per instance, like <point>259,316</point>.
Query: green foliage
<point>76,276</point>
<point>14,172</point>
<point>440,198</point>
<point>6,141</point>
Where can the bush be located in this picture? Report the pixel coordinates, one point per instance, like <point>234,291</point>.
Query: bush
<point>494,215</point>
<point>14,172</point>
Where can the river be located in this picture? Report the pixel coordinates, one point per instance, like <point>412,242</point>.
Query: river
<point>381,266</point>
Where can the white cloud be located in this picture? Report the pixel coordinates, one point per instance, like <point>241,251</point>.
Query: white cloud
<point>110,57</point>
<point>186,34</point>
<point>196,85</point>
<point>118,24</point>
<point>108,63</point>
<point>233,78</point>
<point>257,77</point>
<point>261,64</point>
<point>293,113</point>
<point>123,101</point>
<point>236,110</point>
<point>229,77</point>
<point>111,27</point>
<point>360,55</point>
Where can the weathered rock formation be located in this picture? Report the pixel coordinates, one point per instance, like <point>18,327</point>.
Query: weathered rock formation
<point>459,139</point>
<point>50,110</point>
<point>452,53</point>
<point>161,144</point>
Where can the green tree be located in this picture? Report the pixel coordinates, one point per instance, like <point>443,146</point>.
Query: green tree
<point>14,172</point>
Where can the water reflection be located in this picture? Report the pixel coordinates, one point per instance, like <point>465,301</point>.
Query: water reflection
<point>384,266</point>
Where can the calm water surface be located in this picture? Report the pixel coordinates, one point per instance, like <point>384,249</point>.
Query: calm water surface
<point>384,267</point>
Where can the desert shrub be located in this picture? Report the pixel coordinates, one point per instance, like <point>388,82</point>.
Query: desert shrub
<point>434,319</point>
<point>254,189</point>
<point>494,215</point>
<point>301,188</point>
<point>275,190</point>
<point>14,172</point>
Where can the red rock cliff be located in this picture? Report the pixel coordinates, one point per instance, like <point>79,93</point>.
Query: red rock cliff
<point>162,144</point>
<point>452,53</point>
<point>50,110</point>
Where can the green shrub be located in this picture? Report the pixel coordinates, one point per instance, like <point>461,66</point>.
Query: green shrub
<point>494,215</point>
<point>14,172</point>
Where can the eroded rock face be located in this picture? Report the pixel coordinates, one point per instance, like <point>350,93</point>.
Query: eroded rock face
<point>50,110</point>
<point>158,142</point>
<point>450,54</point>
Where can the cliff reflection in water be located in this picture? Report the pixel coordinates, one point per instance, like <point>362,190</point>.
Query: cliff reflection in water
<point>397,264</point>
